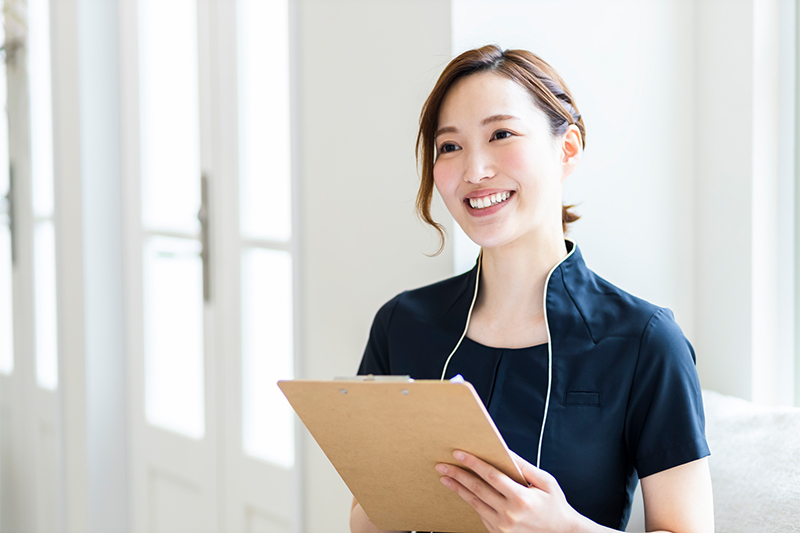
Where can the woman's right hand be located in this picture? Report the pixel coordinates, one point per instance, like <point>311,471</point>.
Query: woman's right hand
<point>360,522</point>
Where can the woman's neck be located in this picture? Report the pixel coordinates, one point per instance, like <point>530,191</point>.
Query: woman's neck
<point>514,275</point>
<point>509,311</point>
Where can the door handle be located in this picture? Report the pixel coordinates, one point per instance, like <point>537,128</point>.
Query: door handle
<point>205,251</point>
<point>8,208</point>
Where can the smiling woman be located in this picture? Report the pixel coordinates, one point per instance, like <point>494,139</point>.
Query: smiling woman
<point>592,387</point>
<point>541,85</point>
<point>484,155</point>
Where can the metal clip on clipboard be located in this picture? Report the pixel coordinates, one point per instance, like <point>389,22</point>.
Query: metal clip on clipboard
<point>371,377</point>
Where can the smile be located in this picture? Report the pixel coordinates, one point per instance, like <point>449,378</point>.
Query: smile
<point>489,201</point>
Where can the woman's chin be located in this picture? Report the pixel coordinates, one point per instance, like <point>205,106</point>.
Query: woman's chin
<point>497,240</point>
<point>488,240</point>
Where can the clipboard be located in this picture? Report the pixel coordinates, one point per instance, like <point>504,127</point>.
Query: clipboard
<point>385,436</point>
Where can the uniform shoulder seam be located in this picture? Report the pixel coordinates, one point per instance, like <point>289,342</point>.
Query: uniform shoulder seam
<point>657,311</point>
<point>394,301</point>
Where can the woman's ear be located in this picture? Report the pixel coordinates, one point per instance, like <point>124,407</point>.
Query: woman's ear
<point>571,150</point>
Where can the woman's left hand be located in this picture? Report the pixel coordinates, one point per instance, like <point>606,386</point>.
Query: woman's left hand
<point>506,506</point>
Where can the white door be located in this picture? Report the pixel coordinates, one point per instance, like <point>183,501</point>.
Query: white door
<point>172,400</point>
<point>29,458</point>
<point>210,255</point>
<point>259,247</point>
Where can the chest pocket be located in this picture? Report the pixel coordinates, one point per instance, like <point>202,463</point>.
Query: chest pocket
<point>582,399</point>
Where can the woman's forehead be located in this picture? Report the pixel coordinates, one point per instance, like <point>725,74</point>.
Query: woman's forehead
<point>475,97</point>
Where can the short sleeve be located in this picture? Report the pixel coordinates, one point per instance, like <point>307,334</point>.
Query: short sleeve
<point>376,354</point>
<point>665,423</point>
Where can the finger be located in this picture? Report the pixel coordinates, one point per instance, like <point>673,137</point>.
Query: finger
<point>537,477</point>
<point>498,480</point>
<point>485,511</point>
<point>518,462</point>
<point>518,458</point>
<point>473,483</point>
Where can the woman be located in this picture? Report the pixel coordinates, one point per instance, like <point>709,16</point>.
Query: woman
<point>593,388</point>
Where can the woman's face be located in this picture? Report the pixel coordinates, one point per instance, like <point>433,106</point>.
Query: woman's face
<point>498,168</point>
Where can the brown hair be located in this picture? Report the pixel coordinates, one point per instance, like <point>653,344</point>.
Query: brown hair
<point>549,93</point>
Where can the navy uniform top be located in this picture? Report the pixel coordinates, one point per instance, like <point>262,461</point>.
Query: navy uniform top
<point>625,400</point>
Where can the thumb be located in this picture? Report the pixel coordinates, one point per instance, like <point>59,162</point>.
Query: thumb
<point>536,476</point>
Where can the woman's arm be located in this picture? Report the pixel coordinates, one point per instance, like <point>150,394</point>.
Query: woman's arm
<point>679,499</point>
<point>360,522</point>
<point>676,500</point>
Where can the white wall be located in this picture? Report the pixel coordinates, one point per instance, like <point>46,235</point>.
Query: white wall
<point>629,65</point>
<point>106,425</point>
<point>91,390</point>
<point>70,257</point>
<point>366,68</point>
<point>686,186</point>
<point>744,272</point>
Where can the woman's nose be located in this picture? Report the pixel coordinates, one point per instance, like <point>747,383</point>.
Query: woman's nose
<point>478,168</point>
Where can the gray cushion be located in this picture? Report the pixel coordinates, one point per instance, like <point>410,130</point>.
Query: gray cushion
<point>755,465</point>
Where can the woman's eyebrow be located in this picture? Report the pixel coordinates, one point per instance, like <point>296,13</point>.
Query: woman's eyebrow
<point>446,129</point>
<point>484,122</point>
<point>497,118</point>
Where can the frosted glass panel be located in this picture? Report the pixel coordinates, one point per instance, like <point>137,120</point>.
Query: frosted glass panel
<point>3,125</point>
<point>267,354</point>
<point>6,324</point>
<point>41,107</point>
<point>173,307</point>
<point>264,135</point>
<point>44,269</point>
<point>170,134</point>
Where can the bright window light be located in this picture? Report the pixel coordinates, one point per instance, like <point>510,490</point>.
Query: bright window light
<point>267,334</point>
<point>173,311</point>
<point>264,127</point>
<point>170,123</point>
<point>41,106</point>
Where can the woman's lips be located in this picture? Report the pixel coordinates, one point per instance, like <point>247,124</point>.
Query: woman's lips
<point>484,203</point>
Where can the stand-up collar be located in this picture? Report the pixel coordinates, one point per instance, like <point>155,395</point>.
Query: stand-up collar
<point>569,283</point>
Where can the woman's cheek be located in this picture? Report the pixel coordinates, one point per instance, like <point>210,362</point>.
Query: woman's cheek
<point>445,179</point>
<point>518,161</point>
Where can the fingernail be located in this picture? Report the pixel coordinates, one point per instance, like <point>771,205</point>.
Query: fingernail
<point>446,481</point>
<point>459,455</point>
<point>441,468</point>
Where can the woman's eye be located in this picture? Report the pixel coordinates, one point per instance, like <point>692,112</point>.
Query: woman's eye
<point>447,148</point>
<point>502,134</point>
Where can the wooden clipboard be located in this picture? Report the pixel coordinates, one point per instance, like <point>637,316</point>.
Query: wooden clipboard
<point>385,437</point>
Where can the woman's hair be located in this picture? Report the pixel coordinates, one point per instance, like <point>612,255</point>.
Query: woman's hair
<point>549,93</point>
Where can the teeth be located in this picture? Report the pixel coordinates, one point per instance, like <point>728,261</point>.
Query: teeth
<point>487,201</point>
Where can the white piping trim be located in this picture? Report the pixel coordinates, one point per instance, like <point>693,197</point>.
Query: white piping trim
<point>549,342</point>
<point>469,316</point>
<point>549,356</point>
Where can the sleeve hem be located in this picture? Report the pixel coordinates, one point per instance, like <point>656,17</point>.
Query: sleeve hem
<point>672,457</point>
